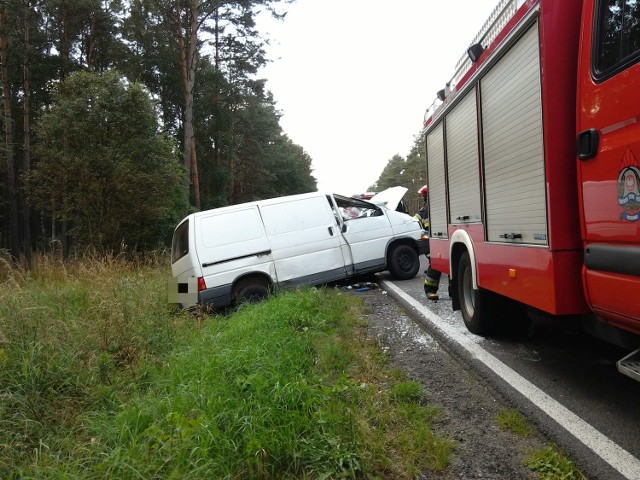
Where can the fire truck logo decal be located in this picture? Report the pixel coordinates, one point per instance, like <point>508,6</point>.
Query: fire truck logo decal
<point>629,187</point>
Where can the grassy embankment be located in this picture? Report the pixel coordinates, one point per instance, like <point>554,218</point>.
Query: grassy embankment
<point>100,378</point>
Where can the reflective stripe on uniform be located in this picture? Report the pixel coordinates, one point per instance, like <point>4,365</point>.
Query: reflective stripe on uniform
<point>430,282</point>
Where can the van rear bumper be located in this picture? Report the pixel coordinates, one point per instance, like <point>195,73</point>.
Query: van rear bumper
<point>215,297</point>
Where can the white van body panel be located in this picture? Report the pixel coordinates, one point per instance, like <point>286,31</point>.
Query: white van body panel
<point>229,244</point>
<point>220,251</point>
<point>401,223</point>
<point>186,265</point>
<point>304,239</point>
<point>230,234</point>
<point>368,238</point>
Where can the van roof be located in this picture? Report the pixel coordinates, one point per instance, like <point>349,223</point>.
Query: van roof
<point>240,206</point>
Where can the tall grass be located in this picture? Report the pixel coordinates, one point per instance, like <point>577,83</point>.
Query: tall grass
<point>101,379</point>
<point>74,338</point>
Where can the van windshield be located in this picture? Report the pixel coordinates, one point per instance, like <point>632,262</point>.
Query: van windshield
<point>352,208</point>
<point>180,243</point>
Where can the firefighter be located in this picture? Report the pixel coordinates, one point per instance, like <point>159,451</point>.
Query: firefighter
<point>423,215</point>
<point>432,277</point>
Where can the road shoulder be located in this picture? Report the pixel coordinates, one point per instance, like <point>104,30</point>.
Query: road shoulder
<point>469,404</point>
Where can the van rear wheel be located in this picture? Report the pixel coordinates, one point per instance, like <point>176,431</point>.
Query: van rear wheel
<point>404,262</point>
<point>250,290</point>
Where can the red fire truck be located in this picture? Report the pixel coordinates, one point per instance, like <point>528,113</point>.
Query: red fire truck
<point>533,167</point>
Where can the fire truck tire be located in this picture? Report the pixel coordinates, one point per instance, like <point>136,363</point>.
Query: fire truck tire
<point>404,262</point>
<point>474,303</point>
<point>250,290</point>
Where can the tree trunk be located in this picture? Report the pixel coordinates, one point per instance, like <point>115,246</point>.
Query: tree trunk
<point>64,43</point>
<point>187,49</point>
<point>216,92</point>
<point>186,157</point>
<point>26,212</point>
<point>195,179</point>
<point>52,241</point>
<point>8,133</point>
<point>66,61</point>
<point>66,241</point>
<point>216,99</point>
<point>91,41</point>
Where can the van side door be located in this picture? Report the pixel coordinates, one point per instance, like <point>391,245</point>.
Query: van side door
<point>367,232</point>
<point>305,240</point>
<point>608,144</point>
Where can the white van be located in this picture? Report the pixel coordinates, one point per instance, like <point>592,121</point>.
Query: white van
<point>223,256</point>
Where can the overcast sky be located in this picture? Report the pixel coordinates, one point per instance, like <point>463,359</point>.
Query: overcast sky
<point>353,78</point>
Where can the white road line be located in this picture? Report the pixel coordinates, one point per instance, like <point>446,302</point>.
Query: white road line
<point>609,451</point>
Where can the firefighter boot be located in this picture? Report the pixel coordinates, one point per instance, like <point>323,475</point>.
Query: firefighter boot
<point>431,289</point>
<point>431,283</point>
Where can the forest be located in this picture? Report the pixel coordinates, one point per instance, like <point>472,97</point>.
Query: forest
<point>122,116</point>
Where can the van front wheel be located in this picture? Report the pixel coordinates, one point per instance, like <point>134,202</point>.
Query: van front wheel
<point>403,262</point>
<point>250,290</point>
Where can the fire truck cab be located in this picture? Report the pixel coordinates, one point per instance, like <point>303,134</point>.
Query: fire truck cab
<point>533,167</point>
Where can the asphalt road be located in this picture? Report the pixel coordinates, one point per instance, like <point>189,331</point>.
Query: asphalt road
<point>565,381</point>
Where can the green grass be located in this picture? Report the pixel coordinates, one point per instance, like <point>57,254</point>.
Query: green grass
<point>100,378</point>
<point>551,464</point>
<point>515,422</point>
<point>548,463</point>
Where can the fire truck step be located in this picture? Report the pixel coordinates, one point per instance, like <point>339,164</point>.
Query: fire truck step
<point>630,365</point>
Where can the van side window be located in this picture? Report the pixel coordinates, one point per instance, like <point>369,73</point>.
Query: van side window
<point>352,208</point>
<point>180,242</point>
<point>617,36</point>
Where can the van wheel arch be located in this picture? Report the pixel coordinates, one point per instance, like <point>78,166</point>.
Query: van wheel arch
<point>251,288</point>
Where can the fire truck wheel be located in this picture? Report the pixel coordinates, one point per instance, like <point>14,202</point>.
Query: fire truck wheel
<point>474,303</point>
<point>404,262</point>
<point>250,290</point>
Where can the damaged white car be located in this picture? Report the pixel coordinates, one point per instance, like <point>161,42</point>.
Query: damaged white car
<point>226,255</point>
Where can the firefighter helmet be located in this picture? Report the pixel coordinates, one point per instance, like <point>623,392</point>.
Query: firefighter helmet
<point>423,191</point>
